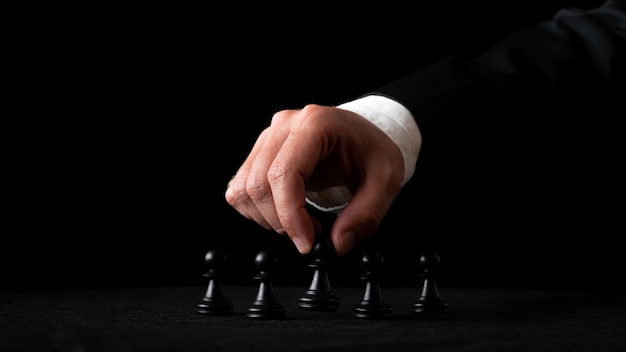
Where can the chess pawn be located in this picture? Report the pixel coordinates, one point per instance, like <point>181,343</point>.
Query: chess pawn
<point>319,296</point>
<point>429,300</point>
<point>266,305</point>
<point>372,304</point>
<point>214,301</point>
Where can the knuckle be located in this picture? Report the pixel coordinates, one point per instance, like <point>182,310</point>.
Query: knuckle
<point>280,117</point>
<point>257,187</point>
<point>235,193</point>
<point>312,109</point>
<point>276,173</point>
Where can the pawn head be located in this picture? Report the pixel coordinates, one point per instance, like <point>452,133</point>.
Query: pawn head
<point>429,261</point>
<point>215,259</point>
<point>265,261</point>
<point>372,261</point>
<point>324,249</point>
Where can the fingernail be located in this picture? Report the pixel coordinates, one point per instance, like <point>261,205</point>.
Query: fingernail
<point>302,246</point>
<point>348,239</point>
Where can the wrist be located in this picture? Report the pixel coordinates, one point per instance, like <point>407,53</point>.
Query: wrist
<point>395,121</point>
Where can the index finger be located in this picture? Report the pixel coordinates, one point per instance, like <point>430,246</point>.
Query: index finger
<point>287,176</point>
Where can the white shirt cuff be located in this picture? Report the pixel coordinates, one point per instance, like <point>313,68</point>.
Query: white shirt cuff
<point>397,123</point>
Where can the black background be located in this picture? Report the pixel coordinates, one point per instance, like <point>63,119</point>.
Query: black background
<point>131,121</point>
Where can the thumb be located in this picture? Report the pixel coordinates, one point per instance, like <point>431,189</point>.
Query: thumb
<point>363,215</point>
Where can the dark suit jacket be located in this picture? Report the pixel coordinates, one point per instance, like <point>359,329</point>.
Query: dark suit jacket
<point>522,146</point>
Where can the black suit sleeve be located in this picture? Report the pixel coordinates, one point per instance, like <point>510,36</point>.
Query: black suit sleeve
<point>560,80</point>
<point>527,134</point>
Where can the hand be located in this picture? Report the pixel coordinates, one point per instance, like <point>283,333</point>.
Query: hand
<point>309,150</point>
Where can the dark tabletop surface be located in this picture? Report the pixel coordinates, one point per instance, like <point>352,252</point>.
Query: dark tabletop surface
<point>164,319</point>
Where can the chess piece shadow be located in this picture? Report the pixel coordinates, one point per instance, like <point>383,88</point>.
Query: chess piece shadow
<point>319,296</point>
<point>429,300</point>
<point>372,305</point>
<point>214,301</point>
<point>266,305</point>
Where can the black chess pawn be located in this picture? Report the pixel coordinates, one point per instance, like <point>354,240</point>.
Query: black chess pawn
<point>266,305</point>
<point>429,300</point>
<point>372,305</point>
<point>214,301</point>
<point>319,296</point>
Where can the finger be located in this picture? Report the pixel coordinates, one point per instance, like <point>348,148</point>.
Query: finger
<point>293,164</point>
<point>257,184</point>
<point>365,211</point>
<point>237,192</point>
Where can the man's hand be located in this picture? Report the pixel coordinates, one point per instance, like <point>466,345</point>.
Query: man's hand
<point>312,150</point>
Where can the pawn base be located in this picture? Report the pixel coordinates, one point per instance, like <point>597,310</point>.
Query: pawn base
<point>369,310</point>
<point>429,306</point>
<point>324,302</point>
<point>214,306</point>
<point>266,310</point>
